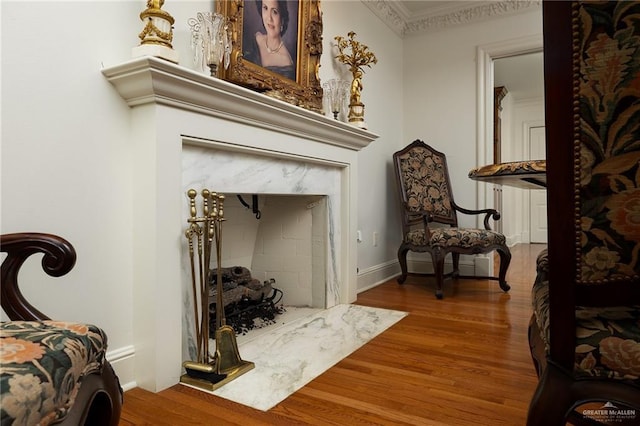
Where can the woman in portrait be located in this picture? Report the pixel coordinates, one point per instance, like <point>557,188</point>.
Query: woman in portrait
<point>267,48</point>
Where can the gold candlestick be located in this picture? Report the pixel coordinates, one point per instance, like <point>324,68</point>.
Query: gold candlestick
<point>357,58</point>
<point>157,34</point>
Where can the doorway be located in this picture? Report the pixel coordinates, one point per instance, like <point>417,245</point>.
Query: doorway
<point>514,56</point>
<point>522,138</point>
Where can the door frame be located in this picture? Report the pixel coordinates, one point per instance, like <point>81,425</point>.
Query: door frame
<point>484,79</point>
<point>526,212</point>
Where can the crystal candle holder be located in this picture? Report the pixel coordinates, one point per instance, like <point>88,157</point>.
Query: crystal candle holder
<point>210,41</point>
<point>336,91</point>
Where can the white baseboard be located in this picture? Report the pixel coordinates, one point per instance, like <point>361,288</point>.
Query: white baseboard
<point>512,240</point>
<point>122,361</point>
<point>483,266</point>
<point>425,266</point>
<point>376,275</point>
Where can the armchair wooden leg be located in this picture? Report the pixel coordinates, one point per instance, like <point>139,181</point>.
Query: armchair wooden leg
<point>402,259</point>
<point>438,270</point>
<point>456,265</point>
<point>505,260</point>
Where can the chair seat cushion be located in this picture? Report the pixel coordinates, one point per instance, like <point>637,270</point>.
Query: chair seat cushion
<point>43,363</point>
<point>468,238</point>
<point>607,339</point>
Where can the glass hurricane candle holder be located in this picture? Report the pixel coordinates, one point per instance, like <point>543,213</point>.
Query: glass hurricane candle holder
<point>336,91</point>
<point>210,41</point>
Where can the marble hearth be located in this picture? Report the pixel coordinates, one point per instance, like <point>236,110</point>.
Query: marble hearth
<point>233,140</point>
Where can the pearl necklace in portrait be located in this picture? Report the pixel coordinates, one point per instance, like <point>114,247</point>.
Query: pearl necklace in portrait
<point>273,50</point>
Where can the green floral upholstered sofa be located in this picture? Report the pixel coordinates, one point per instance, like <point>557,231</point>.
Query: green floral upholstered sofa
<point>51,372</point>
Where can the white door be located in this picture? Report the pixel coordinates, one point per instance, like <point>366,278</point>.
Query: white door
<point>537,197</point>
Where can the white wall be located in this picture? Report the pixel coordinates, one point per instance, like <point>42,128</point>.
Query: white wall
<point>382,95</point>
<point>67,163</point>
<point>440,92</point>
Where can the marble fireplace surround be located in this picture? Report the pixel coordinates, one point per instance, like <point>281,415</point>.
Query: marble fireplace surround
<point>173,108</point>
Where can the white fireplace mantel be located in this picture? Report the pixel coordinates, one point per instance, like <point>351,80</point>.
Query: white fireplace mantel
<point>173,109</point>
<point>151,80</point>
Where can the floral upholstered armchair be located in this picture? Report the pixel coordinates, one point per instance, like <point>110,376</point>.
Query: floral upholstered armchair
<point>429,216</point>
<point>585,330</point>
<point>51,372</point>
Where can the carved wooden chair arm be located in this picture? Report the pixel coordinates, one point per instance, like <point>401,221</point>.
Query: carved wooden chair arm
<point>419,214</point>
<point>59,258</point>
<point>424,216</point>
<point>488,214</point>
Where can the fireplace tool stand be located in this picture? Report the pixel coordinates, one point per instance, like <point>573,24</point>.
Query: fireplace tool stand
<point>209,372</point>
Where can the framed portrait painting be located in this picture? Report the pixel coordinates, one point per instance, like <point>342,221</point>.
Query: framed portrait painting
<point>276,48</point>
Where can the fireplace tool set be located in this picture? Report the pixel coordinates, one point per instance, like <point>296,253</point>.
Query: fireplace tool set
<point>209,372</point>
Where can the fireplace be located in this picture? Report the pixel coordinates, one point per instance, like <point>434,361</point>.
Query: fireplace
<point>189,130</point>
<point>294,192</point>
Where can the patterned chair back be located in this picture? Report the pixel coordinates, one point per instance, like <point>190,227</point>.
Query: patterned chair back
<point>594,178</point>
<point>423,179</point>
<point>607,137</point>
<point>589,316</point>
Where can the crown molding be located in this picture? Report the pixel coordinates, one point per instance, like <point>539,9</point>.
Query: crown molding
<point>389,14</point>
<point>399,19</point>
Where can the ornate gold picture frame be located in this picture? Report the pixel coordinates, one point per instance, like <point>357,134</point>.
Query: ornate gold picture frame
<point>295,81</point>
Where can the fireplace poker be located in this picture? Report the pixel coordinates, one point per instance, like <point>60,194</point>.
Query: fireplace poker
<point>209,213</point>
<point>194,230</point>
<point>220,319</point>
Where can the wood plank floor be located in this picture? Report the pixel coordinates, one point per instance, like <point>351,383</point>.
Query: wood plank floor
<point>463,360</point>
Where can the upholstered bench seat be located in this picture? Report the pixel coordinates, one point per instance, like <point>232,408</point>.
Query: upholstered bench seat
<point>43,364</point>
<point>608,338</point>
<point>458,237</point>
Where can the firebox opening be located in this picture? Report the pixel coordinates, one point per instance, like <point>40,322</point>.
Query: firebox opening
<point>287,245</point>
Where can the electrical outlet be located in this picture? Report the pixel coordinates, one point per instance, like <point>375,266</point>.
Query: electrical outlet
<point>375,239</point>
